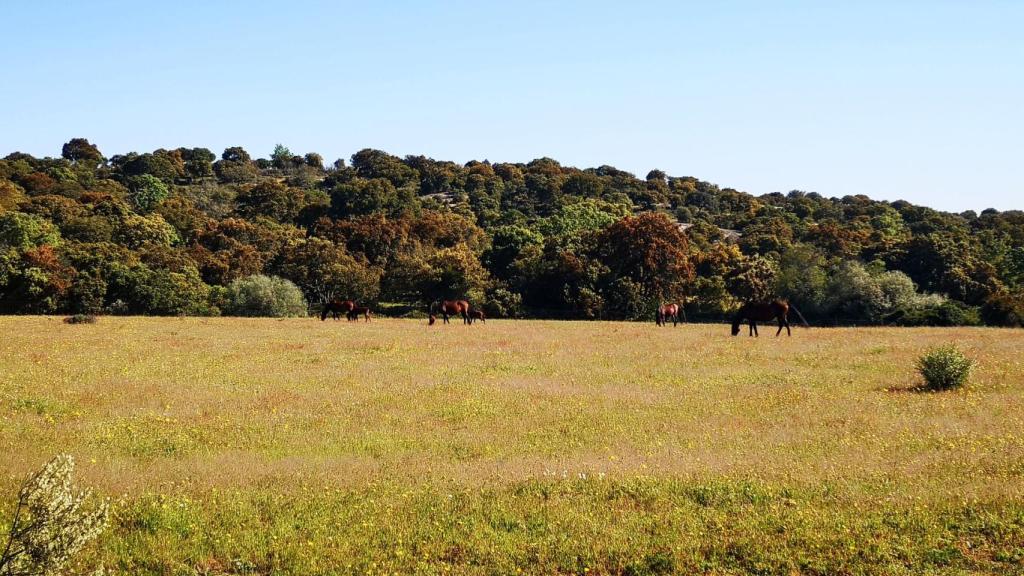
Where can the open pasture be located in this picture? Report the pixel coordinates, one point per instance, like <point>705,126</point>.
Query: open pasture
<point>259,446</point>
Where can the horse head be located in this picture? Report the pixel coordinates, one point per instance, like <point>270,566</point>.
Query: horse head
<point>736,322</point>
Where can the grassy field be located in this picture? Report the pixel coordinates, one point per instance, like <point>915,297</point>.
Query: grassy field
<point>306,447</point>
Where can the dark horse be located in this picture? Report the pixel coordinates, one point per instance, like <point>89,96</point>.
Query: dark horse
<point>336,308</point>
<point>358,311</point>
<point>669,312</point>
<point>477,315</point>
<point>450,308</point>
<point>754,312</point>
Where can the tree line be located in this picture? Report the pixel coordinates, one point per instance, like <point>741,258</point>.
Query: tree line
<point>169,232</point>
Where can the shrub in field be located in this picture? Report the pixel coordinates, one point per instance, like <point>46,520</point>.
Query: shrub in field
<point>80,319</point>
<point>261,295</point>
<point>52,522</point>
<point>944,367</point>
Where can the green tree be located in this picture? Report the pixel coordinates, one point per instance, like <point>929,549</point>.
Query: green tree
<point>11,195</point>
<point>281,157</point>
<point>271,199</point>
<point>146,192</point>
<point>326,271</point>
<point>23,231</point>
<point>79,150</point>
<point>360,197</point>
<point>754,280</point>
<point>198,162</point>
<point>507,243</point>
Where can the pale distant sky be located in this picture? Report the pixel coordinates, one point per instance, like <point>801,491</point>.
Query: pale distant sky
<point>920,100</point>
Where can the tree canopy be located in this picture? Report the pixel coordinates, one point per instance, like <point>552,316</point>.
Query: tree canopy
<point>176,231</point>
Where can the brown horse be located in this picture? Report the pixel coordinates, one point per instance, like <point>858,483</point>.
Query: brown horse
<point>336,308</point>
<point>754,312</point>
<point>667,312</point>
<point>358,311</point>
<point>477,315</point>
<point>450,308</point>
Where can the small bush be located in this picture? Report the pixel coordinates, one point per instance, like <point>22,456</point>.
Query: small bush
<point>265,296</point>
<point>80,319</point>
<point>944,367</point>
<point>53,521</point>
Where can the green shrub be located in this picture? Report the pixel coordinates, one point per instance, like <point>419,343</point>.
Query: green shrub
<point>944,367</point>
<point>261,295</point>
<point>502,303</point>
<point>80,319</point>
<point>939,313</point>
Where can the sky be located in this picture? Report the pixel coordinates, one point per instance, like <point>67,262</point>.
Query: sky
<point>921,101</point>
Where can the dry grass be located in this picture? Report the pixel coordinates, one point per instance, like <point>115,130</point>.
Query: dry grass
<point>190,409</point>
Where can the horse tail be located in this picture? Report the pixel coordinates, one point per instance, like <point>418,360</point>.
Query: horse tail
<point>801,316</point>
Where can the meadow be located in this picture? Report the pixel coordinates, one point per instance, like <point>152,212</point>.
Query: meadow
<point>261,446</point>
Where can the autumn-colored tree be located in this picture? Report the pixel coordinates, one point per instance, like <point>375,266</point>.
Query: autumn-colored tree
<point>651,251</point>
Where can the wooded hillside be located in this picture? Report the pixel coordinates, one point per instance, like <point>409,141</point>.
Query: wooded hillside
<point>169,231</point>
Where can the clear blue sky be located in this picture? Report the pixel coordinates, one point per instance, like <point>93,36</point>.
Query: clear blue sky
<point>898,99</point>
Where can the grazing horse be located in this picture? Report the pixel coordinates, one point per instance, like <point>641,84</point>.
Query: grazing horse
<point>477,315</point>
<point>450,308</point>
<point>336,308</point>
<point>754,312</point>
<point>358,311</point>
<point>667,312</point>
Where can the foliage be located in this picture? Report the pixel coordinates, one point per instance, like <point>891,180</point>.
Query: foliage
<point>52,522</point>
<point>647,261</point>
<point>1004,309</point>
<point>261,295</point>
<point>326,271</point>
<point>146,191</point>
<point>80,319</point>
<point>80,150</point>
<point>944,367</point>
<point>24,231</point>
<point>11,195</point>
<point>503,303</point>
<point>753,280</point>
<point>568,242</point>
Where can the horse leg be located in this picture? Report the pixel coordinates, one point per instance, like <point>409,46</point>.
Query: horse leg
<point>675,320</point>
<point>782,322</point>
<point>788,332</point>
<point>445,316</point>
<point>754,326</point>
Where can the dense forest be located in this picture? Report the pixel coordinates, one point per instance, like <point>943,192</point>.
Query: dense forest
<point>171,232</point>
